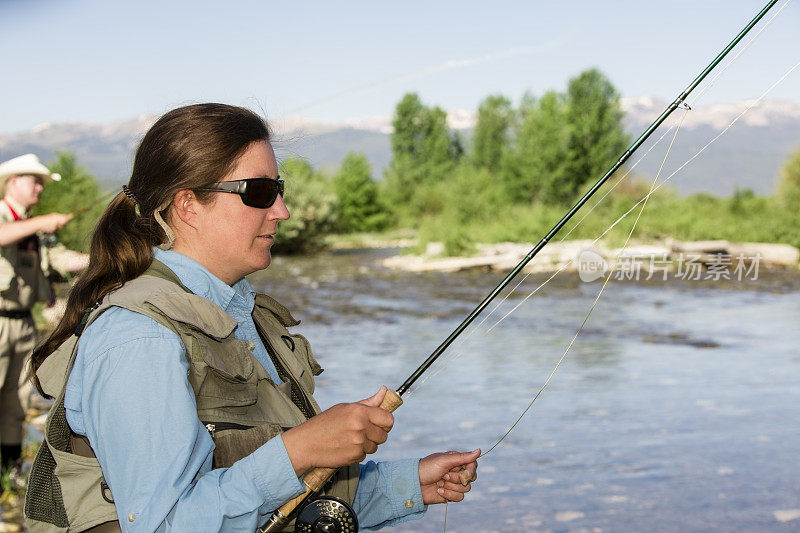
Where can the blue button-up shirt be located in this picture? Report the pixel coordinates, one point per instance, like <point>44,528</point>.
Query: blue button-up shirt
<point>128,393</point>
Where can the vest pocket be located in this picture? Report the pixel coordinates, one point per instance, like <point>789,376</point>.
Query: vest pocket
<point>230,379</point>
<point>302,352</point>
<point>302,349</point>
<point>80,479</point>
<point>233,443</point>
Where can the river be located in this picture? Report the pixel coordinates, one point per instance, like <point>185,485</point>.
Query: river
<point>677,409</point>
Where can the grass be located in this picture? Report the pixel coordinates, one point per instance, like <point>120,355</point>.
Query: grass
<point>742,218</point>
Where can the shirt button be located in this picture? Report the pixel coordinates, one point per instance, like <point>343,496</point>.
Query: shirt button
<point>131,517</point>
<point>251,345</point>
<point>409,504</point>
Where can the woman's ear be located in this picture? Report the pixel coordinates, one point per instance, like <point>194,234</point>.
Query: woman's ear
<point>185,206</point>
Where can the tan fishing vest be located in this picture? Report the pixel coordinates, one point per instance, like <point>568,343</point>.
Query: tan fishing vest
<point>22,281</point>
<point>236,399</point>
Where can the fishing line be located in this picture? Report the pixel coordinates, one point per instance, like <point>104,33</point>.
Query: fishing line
<point>591,308</point>
<point>712,141</point>
<point>597,299</point>
<point>488,315</point>
<point>702,91</point>
<point>654,187</point>
<point>316,479</point>
<point>475,328</point>
<point>644,199</point>
<point>736,56</point>
<point>434,69</point>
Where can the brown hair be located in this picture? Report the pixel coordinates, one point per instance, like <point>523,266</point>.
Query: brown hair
<point>187,148</point>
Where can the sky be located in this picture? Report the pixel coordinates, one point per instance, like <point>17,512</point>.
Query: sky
<point>100,61</point>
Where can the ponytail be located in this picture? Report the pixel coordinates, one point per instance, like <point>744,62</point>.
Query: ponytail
<point>121,250</point>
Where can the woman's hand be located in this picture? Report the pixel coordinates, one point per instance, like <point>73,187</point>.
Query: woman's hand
<point>340,436</point>
<point>445,477</point>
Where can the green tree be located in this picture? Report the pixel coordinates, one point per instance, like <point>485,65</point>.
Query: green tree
<point>788,190</point>
<point>490,138</point>
<point>359,208</point>
<point>312,206</point>
<point>473,199</point>
<point>457,146</point>
<point>77,192</point>
<point>535,169</point>
<point>788,199</point>
<point>423,150</point>
<point>596,134</point>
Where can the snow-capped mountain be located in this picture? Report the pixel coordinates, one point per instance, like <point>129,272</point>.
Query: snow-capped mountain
<point>749,155</point>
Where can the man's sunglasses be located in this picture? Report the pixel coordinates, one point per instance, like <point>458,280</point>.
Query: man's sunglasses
<point>254,192</point>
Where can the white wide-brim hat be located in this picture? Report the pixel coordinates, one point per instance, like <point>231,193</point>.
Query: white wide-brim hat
<point>24,165</point>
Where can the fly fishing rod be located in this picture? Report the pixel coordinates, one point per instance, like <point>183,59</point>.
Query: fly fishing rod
<point>329,515</point>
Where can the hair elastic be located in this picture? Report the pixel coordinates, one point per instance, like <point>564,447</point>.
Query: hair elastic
<point>129,194</point>
<point>132,198</point>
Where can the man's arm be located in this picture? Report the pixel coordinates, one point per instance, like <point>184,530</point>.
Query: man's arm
<point>12,232</point>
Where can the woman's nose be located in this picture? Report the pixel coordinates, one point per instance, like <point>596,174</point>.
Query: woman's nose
<point>278,210</point>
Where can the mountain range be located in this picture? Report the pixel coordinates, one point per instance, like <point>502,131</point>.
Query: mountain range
<point>748,156</point>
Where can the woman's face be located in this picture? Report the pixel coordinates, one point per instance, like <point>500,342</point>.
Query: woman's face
<point>236,239</point>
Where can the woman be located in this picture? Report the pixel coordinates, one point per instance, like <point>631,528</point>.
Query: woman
<point>185,385</point>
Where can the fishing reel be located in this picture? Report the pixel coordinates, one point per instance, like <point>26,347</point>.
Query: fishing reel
<point>326,514</point>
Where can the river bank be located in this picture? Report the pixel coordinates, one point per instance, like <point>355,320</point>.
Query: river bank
<point>588,257</point>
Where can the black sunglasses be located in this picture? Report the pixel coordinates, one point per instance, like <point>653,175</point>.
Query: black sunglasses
<point>254,192</point>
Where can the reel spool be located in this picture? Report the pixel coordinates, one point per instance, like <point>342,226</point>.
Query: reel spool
<point>326,515</point>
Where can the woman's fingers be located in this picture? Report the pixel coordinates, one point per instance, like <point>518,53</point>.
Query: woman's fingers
<point>450,495</point>
<point>454,487</point>
<point>341,435</point>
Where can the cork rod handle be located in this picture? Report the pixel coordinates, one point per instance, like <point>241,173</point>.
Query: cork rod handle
<point>317,478</point>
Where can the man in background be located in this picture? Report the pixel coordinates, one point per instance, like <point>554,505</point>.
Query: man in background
<point>23,282</point>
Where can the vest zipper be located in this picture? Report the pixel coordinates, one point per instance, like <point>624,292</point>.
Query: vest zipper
<point>213,427</point>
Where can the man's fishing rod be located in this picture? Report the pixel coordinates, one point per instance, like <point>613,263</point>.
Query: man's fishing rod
<point>104,199</point>
<point>316,479</point>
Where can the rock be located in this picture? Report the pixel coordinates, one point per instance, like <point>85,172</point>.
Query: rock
<point>564,255</point>
<point>449,264</point>
<point>658,251</point>
<point>699,247</point>
<point>433,249</point>
<point>770,254</point>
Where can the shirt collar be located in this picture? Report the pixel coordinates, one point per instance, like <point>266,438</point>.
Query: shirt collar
<point>18,208</point>
<point>202,282</point>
